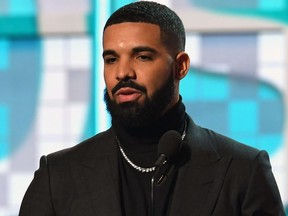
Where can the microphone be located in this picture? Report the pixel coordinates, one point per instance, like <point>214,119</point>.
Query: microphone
<point>169,146</point>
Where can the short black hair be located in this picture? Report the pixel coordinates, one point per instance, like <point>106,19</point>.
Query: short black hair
<point>171,26</point>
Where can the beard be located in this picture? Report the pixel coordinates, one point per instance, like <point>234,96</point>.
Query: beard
<point>134,115</point>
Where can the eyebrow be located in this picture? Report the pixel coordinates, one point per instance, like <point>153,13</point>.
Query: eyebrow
<point>108,52</point>
<point>134,51</point>
<point>143,49</point>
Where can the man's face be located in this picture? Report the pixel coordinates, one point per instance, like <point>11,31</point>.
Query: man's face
<point>138,71</point>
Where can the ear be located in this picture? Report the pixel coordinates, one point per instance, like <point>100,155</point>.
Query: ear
<point>182,65</point>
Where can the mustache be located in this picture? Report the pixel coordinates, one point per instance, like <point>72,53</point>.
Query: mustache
<point>129,84</point>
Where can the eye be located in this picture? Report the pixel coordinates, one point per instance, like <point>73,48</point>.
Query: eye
<point>144,58</point>
<point>110,60</point>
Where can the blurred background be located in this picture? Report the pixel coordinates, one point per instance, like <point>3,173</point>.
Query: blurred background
<point>51,85</point>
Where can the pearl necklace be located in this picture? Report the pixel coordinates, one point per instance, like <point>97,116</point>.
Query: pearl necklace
<point>138,168</point>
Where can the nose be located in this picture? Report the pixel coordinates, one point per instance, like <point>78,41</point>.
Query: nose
<point>125,70</point>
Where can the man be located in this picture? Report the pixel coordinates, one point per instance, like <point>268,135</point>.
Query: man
<point>114,173</point>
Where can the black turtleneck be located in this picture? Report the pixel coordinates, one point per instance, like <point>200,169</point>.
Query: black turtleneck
<point>141,148</point>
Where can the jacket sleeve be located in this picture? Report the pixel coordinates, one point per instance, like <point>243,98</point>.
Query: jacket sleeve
<point>37,199</point>
<point>262,196</point>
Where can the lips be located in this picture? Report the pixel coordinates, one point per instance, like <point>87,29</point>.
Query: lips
<point>127,94</point>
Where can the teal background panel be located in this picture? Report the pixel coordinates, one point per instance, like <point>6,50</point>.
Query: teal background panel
<point>20,88</point>
<point>268,142</point>
<point>4,130</point>
<point>246,117</point>
<point>4,54</point>
<point>243,116</point>
<point>22,7</point>
<point>4,121</point>
<point>275,5</point>
<point>267,92</point>
<point>18,26</point>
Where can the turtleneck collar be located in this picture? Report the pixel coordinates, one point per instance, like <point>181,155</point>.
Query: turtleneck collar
<point>138,140</point>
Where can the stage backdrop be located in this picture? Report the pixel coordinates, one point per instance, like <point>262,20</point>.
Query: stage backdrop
<point>51,85</point>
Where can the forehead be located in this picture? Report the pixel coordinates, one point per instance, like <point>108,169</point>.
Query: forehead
<point>133,34</point>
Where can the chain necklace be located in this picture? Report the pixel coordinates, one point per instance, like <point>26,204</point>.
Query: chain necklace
<point>138,168</point>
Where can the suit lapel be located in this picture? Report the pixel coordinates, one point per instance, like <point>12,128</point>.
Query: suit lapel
<point>100,177</point>
<point>199,181</point>
<point>198,186</point>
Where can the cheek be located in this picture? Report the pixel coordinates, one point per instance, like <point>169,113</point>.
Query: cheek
<point>109,83</point>
<point>156,81</point>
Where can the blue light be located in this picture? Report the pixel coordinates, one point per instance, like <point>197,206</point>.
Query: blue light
<point>4,53</point>
<point>243,116</point>
<point>275,5</point>
<point>22,7</point>
<point>4,131</point>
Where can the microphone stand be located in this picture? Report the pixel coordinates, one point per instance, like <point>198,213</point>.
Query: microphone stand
<point>159,181</point>
<point>152,195</point>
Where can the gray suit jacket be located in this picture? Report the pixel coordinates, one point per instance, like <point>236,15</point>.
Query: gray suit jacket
<point>221,177</point>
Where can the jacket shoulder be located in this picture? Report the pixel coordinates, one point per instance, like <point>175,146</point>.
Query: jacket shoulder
<point>75,153</point>
<point>228,146</point>
<point>207,139</point>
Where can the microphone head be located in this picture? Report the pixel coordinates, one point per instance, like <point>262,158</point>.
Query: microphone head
<point>170,144</point>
